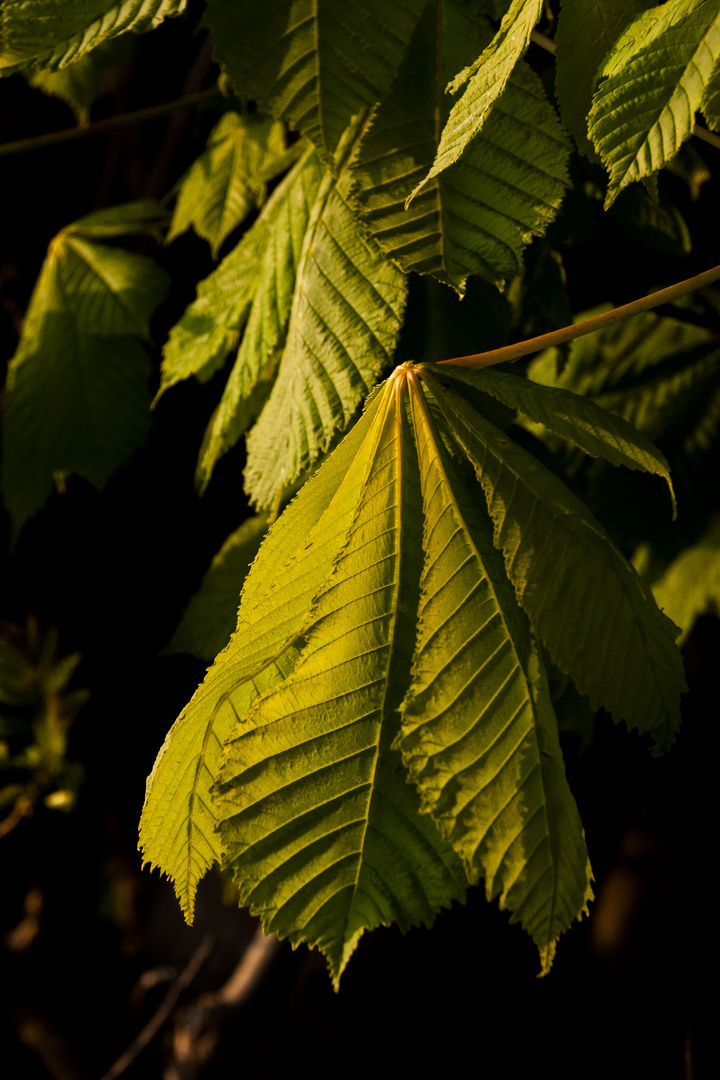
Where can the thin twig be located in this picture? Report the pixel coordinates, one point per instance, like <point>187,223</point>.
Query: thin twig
<point>154,1024</point>
<point>707,136</point>
<point>199,1026</point>
<point>37,142</point>
<point>587,326</point>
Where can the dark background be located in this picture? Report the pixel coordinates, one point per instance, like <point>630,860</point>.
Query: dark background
<point>113,572</point>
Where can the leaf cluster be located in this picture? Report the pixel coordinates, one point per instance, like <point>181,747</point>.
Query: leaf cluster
<point>378,732</point>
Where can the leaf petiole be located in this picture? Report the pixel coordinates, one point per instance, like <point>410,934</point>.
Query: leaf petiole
<point>587,326</point>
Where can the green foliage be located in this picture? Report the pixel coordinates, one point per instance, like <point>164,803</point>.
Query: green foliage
<point>476,216</point>
<point>691,584</point>
<point>486,79</point>
<point>36,711</point>
<point>209,619</point>
<point>44,34</point>
<point>670,55</point>
<point>314,63</point>
<point>81,83</point>
<point>381,729</point>
<point>230,179</point>
<point>77,392</point>
<point>586,31</point>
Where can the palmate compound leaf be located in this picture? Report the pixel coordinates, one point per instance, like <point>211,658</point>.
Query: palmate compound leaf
<point>230,177</point>
<point>322,832</point>
<point>346,315</point>
<point>479,735</point>
<point>486,78</point>
<point>476,216</point>
<point>177,829</point>
<point>577,419</point>
<point>666,58</point>
<point>78,399</point>
<point>585,602</point>
<point>314,63</point>
<point>586,31</point>
<point>263,265</point>
<point>48,34</point>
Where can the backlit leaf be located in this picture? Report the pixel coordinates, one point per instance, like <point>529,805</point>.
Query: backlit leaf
<point>229,179</point>
<point>585,602</point>
<point>177,828</point>
<point>346,315</point>
<point>573,417</point>
<point>323,834</point>
<point>479,735</point>
<point>486,78</point>
<point>665,58</point>
<point>43,33</point>
<point>476,216</point>
<point>262,262</point>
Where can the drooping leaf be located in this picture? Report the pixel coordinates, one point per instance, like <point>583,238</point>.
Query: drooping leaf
<point>77,392</point>
<point>479,735</point>
<point>82,82</point>
<point>586,31</point>
<point>486,79</point>
<point>691,584</point>
<point>665,58</point>
<point>229,179</point>
<point>346,315</point>
<point>253,373</point>
<point>322,831</point>
<point>209,619</point>
<point>177,828</point>
<point>476,216</point>
<point>44,33</point>
<point>211,325</point>
<point>314,63</point>
<point>573,417</point>
<point>585,602</point>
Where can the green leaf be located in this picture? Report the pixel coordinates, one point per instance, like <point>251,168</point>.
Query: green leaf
<point>346,315</point>
<point>691,584</point>
<point>314,63</point>
<point>477,215</point>
<point>586,30</point>
<point>585,602</point>
<point>486,79</point>
<point>77,390</point>
<point>323,834</point>
<point>43,33</point>
<point>665,58</point>
<point>571,416</point>
<point>479,735</point>
<point>177,828</point>
<point>253,373</point>
<point>263,263</point>
<point>209,619</point>
<point>229,179</point>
